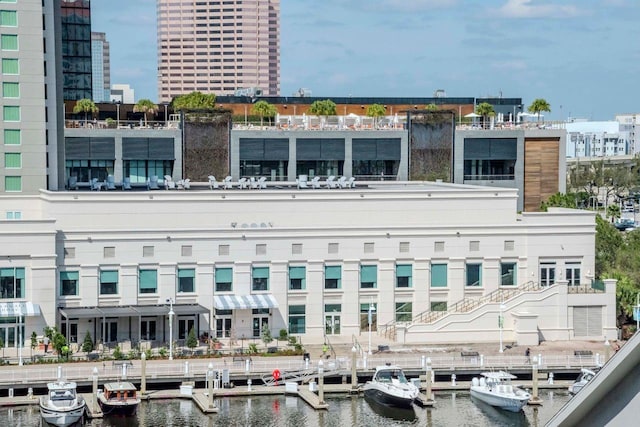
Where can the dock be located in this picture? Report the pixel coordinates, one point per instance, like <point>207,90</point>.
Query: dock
<point>92,408</point>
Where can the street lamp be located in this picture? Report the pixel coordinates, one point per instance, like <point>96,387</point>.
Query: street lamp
<point>171,314</point>
<point>118,114</point>
<point>372,309</point>
<point>166,123</point>
<point>501,323</point>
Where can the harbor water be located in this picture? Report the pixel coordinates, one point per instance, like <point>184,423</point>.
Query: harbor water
<point>451,409</point>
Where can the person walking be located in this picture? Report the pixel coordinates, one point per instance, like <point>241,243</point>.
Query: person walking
<point>325,350</point>
<point>46,344</point>
<point>527,353</point>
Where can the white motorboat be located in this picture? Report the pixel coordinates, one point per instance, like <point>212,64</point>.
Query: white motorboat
<point>62,406</point>
<point>495,389</point>
<point>390,387</point>
<point>585,376</point>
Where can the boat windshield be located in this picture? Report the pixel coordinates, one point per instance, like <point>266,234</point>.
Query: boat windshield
<point>61,395</point>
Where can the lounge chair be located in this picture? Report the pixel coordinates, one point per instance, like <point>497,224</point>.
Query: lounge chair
<point>152,183</point>
<point>331,182</point>
<point>213,183</point>
<point>169,183</point>
<point>228,185</point>
<point>95,185</point>
<point>253,183</point>
<point>184,184</point>
<point>243,183</point>
<point>351,183</point>
<point>302,181</point>
<point>126,183</point>
<point>111,183</point>
<point>262,182</point>
<point>72,183</point>
<point>342,182</point>
<point>315,182</point>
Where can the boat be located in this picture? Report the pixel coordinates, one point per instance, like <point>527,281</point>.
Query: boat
<point>118,398</point>
<point>585,376</point>
<point>390,387</point>
<point>495,389</point>
<point>392,412</point>
<point>62,406</point>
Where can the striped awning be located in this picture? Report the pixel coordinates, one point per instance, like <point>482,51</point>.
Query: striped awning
<point>243,302</point>
<point>17,309</point>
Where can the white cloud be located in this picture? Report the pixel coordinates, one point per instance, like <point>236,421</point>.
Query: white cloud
<point>526,9</point>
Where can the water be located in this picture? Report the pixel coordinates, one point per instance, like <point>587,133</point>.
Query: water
<point>451,409</point>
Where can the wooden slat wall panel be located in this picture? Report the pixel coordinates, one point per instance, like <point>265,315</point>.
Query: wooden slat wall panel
<point>540,171</point>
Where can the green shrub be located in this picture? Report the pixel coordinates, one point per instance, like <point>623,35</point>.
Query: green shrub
<point>117,353</point>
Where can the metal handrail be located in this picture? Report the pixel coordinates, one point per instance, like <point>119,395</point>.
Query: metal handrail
<point>468,304</point>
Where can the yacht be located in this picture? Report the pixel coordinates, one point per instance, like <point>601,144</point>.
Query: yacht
<point>495,389</point>
<point>390,387</point>
<point>61,406</point>
<point>585,376</point>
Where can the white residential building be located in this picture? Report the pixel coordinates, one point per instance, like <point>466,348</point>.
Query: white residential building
<point>122,94</point>
<point>630,130</point>
<point>596,139</point>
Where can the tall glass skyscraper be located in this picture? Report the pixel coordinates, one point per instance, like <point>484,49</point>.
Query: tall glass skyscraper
<point>76,49</point>
<point>218,47</point>
<point>101,68</point>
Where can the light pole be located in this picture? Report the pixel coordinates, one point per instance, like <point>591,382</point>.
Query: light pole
<point>166,123</point>
<point>118,114</point>
<point>372,309</point>
<point>501,323</point>
<point>171,314</point>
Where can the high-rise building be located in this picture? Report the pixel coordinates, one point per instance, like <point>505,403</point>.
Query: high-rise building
<point>76,49</point>
<point>30,102</point>
<point>218,47</point>
<point>101,67</point>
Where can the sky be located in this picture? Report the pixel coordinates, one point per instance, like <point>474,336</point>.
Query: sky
<point>581,56</point>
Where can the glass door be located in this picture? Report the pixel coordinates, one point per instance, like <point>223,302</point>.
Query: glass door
<point>332,324</point>
<point>184,326</point>
<point>547,273</point>
<point>258,325</point>
<point>223,327</point>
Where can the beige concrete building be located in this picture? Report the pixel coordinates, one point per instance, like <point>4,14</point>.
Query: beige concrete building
<point>218,47</point>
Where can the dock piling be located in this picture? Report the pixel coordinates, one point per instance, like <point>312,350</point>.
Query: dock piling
<point>143,374</point>
<point>320,382</point>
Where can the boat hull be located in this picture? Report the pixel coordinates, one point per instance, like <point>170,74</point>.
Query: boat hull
<point>126,410</point>
<point>383,397</point>
<point>508,403</point>
<point>62,417</point>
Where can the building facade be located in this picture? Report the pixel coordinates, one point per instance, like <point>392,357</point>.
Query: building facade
<point>101,68</point>
<point>31,122</point>
<point>218,47</point>
<point>76,49</point>
<point>231,263</point>
<point>598,139</point>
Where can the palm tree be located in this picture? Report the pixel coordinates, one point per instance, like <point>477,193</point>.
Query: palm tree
<point>85,106</point>
<point>539,105</point>
<point>323,108</point>
<point>485,110</point>
<point>431,107</point>
<point>145,106</point>
<point>375,111</point>
<point>263,108</point>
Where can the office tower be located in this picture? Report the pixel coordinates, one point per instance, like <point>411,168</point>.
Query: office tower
<point>218,47</point>
<point>31,106</point>
<point>76,49</point>
<point>100,67</point>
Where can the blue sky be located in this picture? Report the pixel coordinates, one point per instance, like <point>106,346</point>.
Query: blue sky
<point>582,56</point>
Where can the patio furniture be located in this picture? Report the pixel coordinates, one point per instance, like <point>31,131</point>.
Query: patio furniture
<point>169,183</point>
<point>302,182</point>
<point>243,183</point>
<point>184,184</point>
<point>228,185</point>
<point>152,183</point>
<point>72,183</point>
<point>331,182</point>
<point>110,183</point>
<point>315,182</point>
<point>126,183</point>
<point>213,183</point>
<point>262,182</point>
<point>95,185</point>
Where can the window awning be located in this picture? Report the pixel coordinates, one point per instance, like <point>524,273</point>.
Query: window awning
<point>243,302</point>
<point>129,311</point>
<point>17,309</point>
